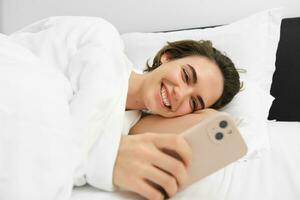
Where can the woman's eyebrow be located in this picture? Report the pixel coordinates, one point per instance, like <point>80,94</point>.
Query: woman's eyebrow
<point>194,73</point>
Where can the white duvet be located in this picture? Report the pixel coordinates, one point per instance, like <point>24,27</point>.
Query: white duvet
<point>36,150</point>
<point>63,86</point>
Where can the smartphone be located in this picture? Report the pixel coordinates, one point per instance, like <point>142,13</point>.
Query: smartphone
<point>215,142</point>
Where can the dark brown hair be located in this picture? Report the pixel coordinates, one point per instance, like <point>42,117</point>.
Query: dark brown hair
<point>184,48</point>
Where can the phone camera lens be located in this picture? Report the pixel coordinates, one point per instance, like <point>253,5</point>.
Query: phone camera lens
<point>223,124</point>
<point>219,136</point>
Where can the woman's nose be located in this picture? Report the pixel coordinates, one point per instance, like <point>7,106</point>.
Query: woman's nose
<point>181,93</point>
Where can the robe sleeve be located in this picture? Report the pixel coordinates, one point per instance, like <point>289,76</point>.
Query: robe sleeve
<point>90,53</point>
<point>98,110</point>
<point>99,73</point>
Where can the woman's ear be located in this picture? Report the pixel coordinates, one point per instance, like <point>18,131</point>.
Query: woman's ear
<point>165,57</point>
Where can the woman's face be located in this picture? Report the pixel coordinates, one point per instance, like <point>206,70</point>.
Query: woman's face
<point>181,86</point>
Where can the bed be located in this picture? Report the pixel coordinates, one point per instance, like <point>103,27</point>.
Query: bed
<point>272,175</point>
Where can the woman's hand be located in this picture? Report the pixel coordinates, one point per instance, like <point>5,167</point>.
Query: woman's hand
<point>143,166</point>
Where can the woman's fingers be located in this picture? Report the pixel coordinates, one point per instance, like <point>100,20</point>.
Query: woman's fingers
<point>131,164</point>
<point>175,143</point>
<point>172,166</point>
<point>141,158</point>
<point>162,179</point>
<point>143,188</point>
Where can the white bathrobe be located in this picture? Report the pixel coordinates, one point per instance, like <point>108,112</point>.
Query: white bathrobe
<point>89,52</point>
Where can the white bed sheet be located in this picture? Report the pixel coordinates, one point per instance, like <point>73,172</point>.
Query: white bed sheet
<point>274,176</point>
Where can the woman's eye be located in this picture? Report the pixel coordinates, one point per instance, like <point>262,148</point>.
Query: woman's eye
<point>186,75</point>
<point>193,105</point>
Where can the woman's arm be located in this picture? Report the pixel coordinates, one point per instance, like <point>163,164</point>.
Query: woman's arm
<point>158,124</point>
<point>132,153</point>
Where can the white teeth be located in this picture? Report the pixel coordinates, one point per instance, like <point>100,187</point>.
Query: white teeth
<point>164,96</point>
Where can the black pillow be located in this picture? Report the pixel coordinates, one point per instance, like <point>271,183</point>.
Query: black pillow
<point>285,86</point>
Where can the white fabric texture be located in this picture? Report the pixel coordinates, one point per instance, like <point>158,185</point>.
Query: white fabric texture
<point>77,46</point>
<point>250,110</point>
<point>273,177</point>
<point>36,148</point>
<point>251,43</point>
<point>89,52</point>
<point>131,118</point>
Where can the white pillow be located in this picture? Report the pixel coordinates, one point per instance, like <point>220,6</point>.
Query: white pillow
<point>249,109</point>
<point>251,43</point>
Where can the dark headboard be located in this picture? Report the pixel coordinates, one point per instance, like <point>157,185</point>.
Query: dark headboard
<point>286,78</point>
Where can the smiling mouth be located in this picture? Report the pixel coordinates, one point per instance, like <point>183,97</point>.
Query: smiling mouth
<point>164,96</point>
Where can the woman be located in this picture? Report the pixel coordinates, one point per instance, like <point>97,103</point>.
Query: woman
<point>186,77</point>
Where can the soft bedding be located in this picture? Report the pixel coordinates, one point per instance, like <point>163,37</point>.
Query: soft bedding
<point>88,52</point>
<point>274,176</point>
<point>256,178</point>
<point>57,128</point>
<point>36,148</point>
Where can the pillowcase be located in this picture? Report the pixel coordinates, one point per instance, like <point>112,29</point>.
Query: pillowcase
<point>251,43</point>
<point>250,111</point>
<point>286,82</point>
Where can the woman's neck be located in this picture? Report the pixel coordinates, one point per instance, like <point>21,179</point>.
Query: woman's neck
<point>135,100</point>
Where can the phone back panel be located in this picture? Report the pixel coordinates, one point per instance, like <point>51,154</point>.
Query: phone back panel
<point>214,146</point>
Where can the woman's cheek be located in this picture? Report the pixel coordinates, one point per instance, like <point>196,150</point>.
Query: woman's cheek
<point>184,109</point>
